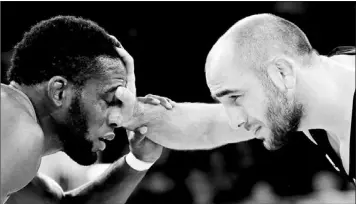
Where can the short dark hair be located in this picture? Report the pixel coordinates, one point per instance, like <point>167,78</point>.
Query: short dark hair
<point>61,46</point>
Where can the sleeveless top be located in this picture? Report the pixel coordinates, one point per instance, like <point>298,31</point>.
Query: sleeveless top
<point>321,138</point>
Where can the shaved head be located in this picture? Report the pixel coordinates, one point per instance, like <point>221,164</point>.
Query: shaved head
<point>258,38</point>
<point>252,71</point>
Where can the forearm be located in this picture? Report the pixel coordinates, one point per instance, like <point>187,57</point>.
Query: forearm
<point>115,185</point>
<point>187,126</point>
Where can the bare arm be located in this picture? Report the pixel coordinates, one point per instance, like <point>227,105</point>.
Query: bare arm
<point>20,148</point>
<point>188,126</point>
<point>114,186</point>
<point>67,173</point>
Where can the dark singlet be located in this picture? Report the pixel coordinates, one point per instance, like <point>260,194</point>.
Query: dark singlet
<point>321,138</point>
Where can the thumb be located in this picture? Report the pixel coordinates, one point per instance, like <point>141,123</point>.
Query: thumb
<point>130,68</point>
<point>135,137</point>
<point>128,100</point>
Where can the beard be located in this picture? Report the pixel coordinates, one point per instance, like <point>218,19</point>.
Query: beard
<point>73,135</point>
<point>283,117</point>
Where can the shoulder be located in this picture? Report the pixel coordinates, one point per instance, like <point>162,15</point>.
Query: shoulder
<point>19,131</point>
<point>21,145</point>
<point>47,185</point>
<point>16,121</point>
<point>42,189</point>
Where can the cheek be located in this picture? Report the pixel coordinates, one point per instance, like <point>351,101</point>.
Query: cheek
<point>100,110</point>
<point>96,116</point>
<point>256,106</point>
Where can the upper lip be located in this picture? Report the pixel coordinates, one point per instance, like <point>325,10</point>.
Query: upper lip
<point>109,136</point>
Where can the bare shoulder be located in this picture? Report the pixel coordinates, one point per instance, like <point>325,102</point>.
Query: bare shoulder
<point>16,121</point>
<point>21,146</point>
<point>42,189</point>
<point>14,115</point>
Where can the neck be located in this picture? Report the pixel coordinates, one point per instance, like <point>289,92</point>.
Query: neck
<point>328,89</point>
<point>37,96</point>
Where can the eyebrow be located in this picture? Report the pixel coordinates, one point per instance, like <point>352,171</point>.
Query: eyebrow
<point>224,93</point>
<point>111,88</point>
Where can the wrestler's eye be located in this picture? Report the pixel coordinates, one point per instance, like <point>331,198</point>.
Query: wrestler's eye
<point>234,98</point>
<point>113,101</point>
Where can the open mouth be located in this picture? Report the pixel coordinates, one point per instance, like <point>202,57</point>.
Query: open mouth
<point>108,136</point>
<point>102,139</point>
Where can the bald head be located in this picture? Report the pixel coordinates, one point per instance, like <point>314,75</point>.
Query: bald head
<point>252,70</point>
<point>258,38</point>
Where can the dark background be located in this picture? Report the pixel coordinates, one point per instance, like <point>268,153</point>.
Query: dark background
<point>169,42</point>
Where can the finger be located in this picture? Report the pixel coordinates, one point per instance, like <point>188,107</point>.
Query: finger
<point>165,103</point>
<point>171,102</point>
<point>129,65</point>
<point>130,135</point>
<point>117,42</point>
<point>136,137</point>
<point>153,101</point>
<point>128,100</point>
<point>162,100</point>
<point>149,100</point>
<point>142,130</point>
<point>159,100</point>
<point>128,60</point>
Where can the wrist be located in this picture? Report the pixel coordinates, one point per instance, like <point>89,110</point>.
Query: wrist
<point>137,164</point>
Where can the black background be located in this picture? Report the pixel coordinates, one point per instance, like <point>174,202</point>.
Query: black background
<point>169,42</point>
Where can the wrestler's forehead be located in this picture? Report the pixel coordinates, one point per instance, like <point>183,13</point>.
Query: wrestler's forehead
<point>223,67</point>
<point>113,66</point>
<point>114,74</point>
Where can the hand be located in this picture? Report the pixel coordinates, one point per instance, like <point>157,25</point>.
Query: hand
<point>143,148</point>
<point>124,113</point>
<point>156,100</point>
<point>129,64</point>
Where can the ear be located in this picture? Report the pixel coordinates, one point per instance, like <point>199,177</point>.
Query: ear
<point>57,90</point>
<point>282,72</point>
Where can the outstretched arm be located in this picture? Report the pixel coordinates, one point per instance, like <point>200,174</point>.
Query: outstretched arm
<point>188,126</point>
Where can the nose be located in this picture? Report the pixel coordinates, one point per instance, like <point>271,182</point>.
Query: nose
<point>114,118</point>
<point>237,116</point>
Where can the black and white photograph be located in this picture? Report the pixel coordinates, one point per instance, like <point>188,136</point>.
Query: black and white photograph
<point>178,102</point>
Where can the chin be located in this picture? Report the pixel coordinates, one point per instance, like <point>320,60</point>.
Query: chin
<point>272,145</point>
<point>267,145</point>
<point>81,152</point>
<point>85,160</point>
